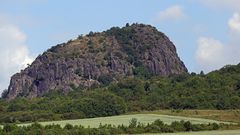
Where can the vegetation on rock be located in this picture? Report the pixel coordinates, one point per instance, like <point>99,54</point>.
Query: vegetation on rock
<point>98,58</point>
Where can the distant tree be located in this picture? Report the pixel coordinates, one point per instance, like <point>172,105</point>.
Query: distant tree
<point>178,126</point>
<point>133,123</point>
<point>90,44</point>
<point>68,126</point>
<point>147,86</point>
<point>4,93</point>
<point>188,126</point>
<point>142,72</point>
<point>158,123</point>
<point>193,74</point>
<point>238,85</point>
<point>69,41</point>
<point>80,36</point>
<point>215,126</point>
<point>9,127</point>
<point>202,73</point>
<point>105,79</point>
<point>91,33</point>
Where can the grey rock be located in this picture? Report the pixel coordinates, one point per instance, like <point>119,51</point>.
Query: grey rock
<point>81,62</point>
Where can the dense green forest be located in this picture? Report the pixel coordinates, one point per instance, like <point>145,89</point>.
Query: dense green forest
<point>216,90</point>
<point>134,127</point>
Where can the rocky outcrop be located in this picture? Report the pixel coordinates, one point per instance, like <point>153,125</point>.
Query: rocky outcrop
<point>92,59</point>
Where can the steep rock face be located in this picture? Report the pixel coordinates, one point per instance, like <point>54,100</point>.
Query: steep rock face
<point>92,59</point>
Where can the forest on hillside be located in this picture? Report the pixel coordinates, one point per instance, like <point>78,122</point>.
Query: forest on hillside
<point>216,90</point>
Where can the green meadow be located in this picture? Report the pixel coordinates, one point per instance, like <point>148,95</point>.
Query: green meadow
<point>124,119</point>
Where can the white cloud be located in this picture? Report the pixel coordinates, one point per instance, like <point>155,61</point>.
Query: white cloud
<point>14,54</point>
<point>234,23</point>
<point>208,53</point>
<point>212,54</point>
<point>172,13</point>
<point>228,4</point>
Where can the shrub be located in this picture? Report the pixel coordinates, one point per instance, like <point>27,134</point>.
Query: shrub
<point>105,79</point>
<point>68,126</point>
<point>4,93</point>
<point>133,123</point>
<point>9,127</point>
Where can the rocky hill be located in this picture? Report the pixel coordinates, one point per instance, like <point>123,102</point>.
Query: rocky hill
<point>98,58</point>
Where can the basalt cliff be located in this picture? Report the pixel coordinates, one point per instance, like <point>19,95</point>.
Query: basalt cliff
<point>98,59</point>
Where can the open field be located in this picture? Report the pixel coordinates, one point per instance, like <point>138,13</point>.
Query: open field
<point>124,119</point>
<point>219,115</point>
<point>225,132</point>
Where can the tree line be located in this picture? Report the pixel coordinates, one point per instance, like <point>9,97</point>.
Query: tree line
<point>216,90</point>
<point>134,127</point>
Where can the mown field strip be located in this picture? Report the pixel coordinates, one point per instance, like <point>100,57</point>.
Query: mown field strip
<point>124,119</point>
<point>219,132</point>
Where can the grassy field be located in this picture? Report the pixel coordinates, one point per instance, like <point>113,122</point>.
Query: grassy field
<point>225,132</point>
<point>124,119</point>
<point>219,115</point>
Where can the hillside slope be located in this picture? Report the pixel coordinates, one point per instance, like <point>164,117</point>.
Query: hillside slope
<point>216,90</point>
<point>98,58</point>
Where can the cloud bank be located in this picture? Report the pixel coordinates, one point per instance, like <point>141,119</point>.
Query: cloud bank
<point>234,23</point>
<point>213,54</point>
<point>14,54</point>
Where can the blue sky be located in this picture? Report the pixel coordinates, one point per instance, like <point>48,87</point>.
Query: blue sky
<point>204,31</point>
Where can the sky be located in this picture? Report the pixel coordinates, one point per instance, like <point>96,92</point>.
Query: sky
<point>205,32</point>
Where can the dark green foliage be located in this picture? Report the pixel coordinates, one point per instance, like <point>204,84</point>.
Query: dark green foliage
<point>55,106</point>
<point>133,123</point>
<point>105,79</point>
<point>9,128</point>
<point>237,86</point>
<point>125,36</point>
<point>215,90</point>
<point>4,93</point>
<point>80,37</point>
<point>90,34</point>
<point>90,43</point>
<point>81,73</point>
<point>68,126</point>
<point>188,126</point>
<point>202,73</point>
<point>134,127</point>
<point>178,126</point>
<point>141,71</point>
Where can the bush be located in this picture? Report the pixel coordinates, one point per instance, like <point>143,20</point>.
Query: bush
<point>133,123</point>
<point>105,79</point>
<point>188,126</point>
<point>4,93</point>
<point>142,72</point>
<point>68,126</point>
<point>9,127</point>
